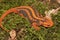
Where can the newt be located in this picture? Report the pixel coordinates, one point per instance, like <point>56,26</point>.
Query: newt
<point>34,17</point>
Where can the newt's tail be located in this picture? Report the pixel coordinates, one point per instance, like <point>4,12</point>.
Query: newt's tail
<point>1,26</point>
<point>4,15</point>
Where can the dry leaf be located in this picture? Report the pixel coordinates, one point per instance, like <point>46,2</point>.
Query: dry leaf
<point>12,35</point>
<point>53,11</point>
<point>58,1</point>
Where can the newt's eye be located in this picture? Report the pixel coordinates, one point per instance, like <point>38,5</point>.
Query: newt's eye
<point>48,25</point>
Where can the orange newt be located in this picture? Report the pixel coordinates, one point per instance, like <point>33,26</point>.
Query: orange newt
<point>35,18</point>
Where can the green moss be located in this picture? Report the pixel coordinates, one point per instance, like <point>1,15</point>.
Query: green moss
<point>14,21</point>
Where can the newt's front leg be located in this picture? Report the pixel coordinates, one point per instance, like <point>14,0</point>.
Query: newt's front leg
<point>35,25</point>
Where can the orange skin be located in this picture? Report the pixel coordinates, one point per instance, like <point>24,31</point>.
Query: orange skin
<point>34,17</point>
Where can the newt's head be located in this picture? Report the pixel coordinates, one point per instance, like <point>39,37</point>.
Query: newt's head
<point>46,22</point>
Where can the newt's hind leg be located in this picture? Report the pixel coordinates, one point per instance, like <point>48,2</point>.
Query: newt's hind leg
<point>35,25</point>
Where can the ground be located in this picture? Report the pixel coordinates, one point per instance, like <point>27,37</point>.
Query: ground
<point>14,21</point>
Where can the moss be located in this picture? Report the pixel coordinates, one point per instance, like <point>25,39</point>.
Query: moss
<point>14,21</point>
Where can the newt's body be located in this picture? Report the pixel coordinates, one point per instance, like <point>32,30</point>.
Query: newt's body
<point>32,15</point>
